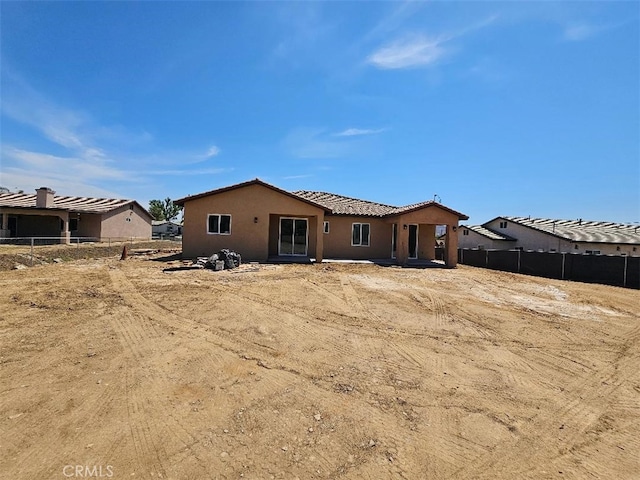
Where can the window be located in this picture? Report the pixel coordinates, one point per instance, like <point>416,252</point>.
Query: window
<point>360,234</point>
<point>325,227</point>
<point>73,224</point>
<point>465,232</point>
<point>219,224</point>
<point>503,224</point>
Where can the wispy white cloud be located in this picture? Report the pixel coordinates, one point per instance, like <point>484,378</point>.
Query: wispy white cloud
<point>314,143</point>
<point>420,50</point>
<point>296,177</point>
<point>579,31</point>
<point>64,166</point>
<point>354,132</point>
<point>192,171</point>
<point>71,148</point>
<point>412,51</point>
<point>212,152</point>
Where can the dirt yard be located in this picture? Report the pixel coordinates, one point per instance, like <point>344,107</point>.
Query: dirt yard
<point>117,369</point>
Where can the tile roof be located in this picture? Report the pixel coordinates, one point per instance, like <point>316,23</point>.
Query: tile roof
<point>341,205</point>
<point>74,204</point>
<point>583,231</point>
<point>485,232</point>
<point>330,202</point>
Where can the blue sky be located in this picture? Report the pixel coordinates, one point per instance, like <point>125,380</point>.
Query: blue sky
<point>499,108</point>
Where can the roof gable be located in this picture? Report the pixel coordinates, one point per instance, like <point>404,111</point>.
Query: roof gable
<point>256,181</point>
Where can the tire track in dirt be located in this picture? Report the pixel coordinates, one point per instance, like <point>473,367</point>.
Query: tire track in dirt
<point>48,446</point>
<point>575,416</point>
<point>137,330</point>
<point>236,344</point>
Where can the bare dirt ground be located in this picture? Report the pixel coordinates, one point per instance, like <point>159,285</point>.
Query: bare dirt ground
<point>314,371</point>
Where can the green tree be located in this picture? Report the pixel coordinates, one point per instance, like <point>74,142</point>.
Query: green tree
<point>164,209</point>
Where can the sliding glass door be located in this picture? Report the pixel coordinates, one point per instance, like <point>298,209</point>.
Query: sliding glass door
<point>293,236</point>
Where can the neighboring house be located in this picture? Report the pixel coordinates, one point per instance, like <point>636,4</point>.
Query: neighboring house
<point>477,236</point>
<point>261,221</point>
<point>48,215</point>
<point>164,228</point>
<point>550,235</point>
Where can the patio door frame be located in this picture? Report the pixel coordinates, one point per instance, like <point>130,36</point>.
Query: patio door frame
<point>394,239</point>
<point>293,235</point>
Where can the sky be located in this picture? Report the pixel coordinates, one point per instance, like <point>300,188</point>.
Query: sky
<point>491,108</point>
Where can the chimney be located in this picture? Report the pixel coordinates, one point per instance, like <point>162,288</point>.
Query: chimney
<point>44,197</point>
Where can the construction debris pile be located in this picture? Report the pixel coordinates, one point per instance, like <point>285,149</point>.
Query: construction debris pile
<point>225,258</point>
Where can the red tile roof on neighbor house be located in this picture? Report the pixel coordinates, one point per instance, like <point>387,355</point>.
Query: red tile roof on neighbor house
<point>73,204</point>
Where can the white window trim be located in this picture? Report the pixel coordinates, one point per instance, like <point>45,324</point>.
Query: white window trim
<point>219,215</point>
<point>325,227</point>
<point>369,237</point>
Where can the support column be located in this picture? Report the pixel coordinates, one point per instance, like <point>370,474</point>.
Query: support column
<point>319,238</point>
<point>402,246</point>
<point>65,235</point>
<point>4,231</point>
<point>451,246</point>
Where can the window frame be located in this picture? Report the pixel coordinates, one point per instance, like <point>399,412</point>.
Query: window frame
<point>219,215</point>
<point>360,224</point>
<point>325,227</point>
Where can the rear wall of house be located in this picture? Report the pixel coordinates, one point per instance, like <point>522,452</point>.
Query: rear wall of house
<point>125,222</point>
<point>475,240</point>
<point>254,211</point>
<point>337,243</point>
<point>89,225</point>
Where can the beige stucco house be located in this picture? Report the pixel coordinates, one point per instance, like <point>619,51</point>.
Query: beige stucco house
<point>552,235</point>
<point>261,221</point>
<point>477,236</point>
<point>48,215</point>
